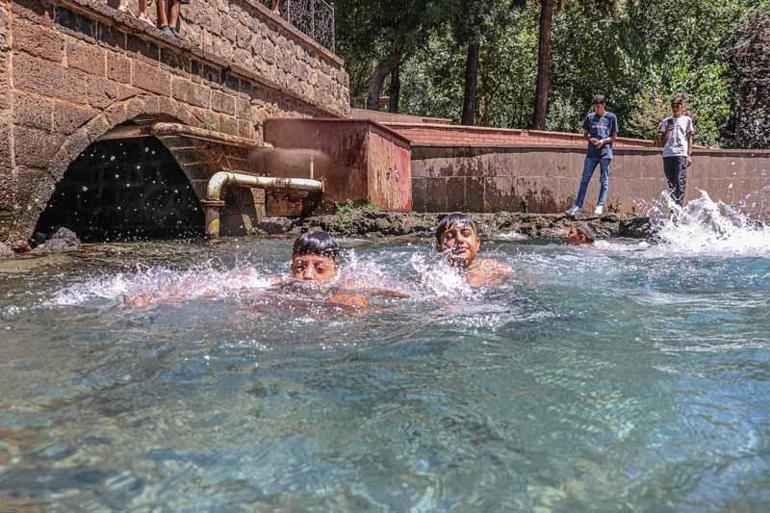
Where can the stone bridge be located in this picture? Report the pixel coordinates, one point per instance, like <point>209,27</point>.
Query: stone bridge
<point>74,73</point>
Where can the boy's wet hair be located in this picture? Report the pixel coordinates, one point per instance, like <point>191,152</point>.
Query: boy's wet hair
<point>587,231</point>
<point>455,219</point>
<point>316,243</point>
<point>598,98</point>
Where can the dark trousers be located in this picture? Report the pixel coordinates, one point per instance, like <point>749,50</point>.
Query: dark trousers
<point>676,174</point>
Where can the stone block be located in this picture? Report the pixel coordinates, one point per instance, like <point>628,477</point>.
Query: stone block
<point>223,102</point>
<point>33,111</point>
<point>38,40</point>
<point>4,29</point>
<point>5,81</point>
<point>86,57</point>
<point>34,187</point>
<point>39,11</point>
<point>111,37</point>
<point>191,93</point>
<point>69,117</point>
<point>49,79</point>
<point>228,125</point>
<point>102,93</point>
<point>118,68</point>
<point>75,23</point>
<point>151,78</point>
<point>142,48</point>
<point>35,148</point>
<point>175,60</point>
<point>455,193</point>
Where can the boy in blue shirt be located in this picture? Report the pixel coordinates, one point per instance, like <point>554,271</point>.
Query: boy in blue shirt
<point>600,129</point>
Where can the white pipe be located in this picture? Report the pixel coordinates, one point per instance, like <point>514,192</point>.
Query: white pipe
<point>221,179</point>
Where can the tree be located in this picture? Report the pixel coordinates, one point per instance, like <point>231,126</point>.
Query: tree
<point>749,57</point>
<point>543,65</point>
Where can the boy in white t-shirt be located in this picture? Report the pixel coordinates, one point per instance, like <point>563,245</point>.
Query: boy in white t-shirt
<point>677,133</point>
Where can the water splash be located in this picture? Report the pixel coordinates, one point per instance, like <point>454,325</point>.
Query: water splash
<point>161,284</point>
<point>438,278</point>
<point>705,226</point>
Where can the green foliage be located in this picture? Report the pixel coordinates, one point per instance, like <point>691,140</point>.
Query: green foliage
<point>637,52</point>
<point>349,208</point>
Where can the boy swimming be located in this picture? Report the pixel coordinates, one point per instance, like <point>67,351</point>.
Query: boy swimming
<point>315,258</point>
<point>457,238</point>
<point>580,234</point>
<point>314,261</point>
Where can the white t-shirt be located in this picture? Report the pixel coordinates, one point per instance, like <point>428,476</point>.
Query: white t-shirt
<point>676,144</point>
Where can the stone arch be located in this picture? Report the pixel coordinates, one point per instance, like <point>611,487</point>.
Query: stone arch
<point>136,110</point>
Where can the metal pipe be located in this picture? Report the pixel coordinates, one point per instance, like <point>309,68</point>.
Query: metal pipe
<point>221,179</point>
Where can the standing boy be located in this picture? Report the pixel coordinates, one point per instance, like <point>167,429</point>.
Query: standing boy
<point>600,129</point>
<point>677,133</point>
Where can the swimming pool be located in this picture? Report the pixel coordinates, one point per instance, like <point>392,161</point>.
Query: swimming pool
<point>623,377</point>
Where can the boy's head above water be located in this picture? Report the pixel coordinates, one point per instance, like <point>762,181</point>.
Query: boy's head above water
<point>581,234</point>
<point>458,238</point>
<point>314,257</point>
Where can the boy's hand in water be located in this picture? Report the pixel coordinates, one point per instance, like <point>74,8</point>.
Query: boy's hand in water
<point>349,300</point>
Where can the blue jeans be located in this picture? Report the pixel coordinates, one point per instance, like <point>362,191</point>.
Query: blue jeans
<point>588,170</point>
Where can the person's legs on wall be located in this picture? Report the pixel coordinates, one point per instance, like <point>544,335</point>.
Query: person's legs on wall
<point>604,184</point>
<point>670,169</point>
<point>588,170</point>
<point>681,179</point>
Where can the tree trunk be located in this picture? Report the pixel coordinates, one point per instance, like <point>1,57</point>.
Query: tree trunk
<point>374,88</point>
<point>376,81</point>
<point>543,65</point>
<point>395,89</point>
<point>471,81</point>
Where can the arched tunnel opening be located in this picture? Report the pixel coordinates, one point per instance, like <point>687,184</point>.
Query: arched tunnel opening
<point>124,190</point>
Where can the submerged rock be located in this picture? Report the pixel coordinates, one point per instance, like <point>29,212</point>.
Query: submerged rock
<point>62,241</point>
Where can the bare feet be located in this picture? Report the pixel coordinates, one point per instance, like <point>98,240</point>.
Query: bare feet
<point>123,6</point>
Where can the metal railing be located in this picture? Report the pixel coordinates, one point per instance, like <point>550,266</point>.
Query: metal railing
<point>313,17</point>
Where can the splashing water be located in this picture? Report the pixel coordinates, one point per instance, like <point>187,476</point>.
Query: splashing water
<point>162,284</point>
<point>705,226</point>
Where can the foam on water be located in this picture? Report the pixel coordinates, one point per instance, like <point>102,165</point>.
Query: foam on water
<point>163,284</point>
<point>704,226</point>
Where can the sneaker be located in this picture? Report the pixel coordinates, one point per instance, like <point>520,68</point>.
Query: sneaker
<point>599,210</point>
<point>167,30</point>
<point>176,32</point>
<point>573,210</point>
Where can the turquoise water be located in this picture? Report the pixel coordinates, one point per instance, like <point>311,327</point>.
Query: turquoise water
<point>625,377</point>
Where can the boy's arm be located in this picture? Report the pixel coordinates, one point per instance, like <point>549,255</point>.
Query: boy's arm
<point>689,148</point>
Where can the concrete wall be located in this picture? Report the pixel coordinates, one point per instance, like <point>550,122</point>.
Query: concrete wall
<point>488,170</point>
<point>70,70</point>
<point>358,161</point>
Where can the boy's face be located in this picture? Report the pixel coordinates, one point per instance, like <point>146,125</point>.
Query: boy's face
<point>676,108</point>
<point>576,237</point>
<point>461,244</point>
<point>311,267</point>
<point>599,108</point>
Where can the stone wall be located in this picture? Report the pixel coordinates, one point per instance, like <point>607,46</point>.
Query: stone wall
<point>545,178</point>
<point>358,160</point>
<point>70,70</point>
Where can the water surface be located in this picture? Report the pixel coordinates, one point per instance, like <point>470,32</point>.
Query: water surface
<point>623,377</point>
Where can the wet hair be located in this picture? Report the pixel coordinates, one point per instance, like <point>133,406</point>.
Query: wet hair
<point>316,243</point>
<point>587,231</point>
<point>455,219</point>
<point>598,98</point>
